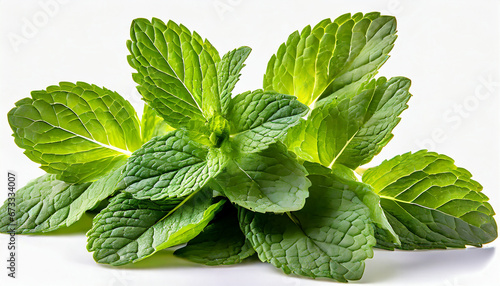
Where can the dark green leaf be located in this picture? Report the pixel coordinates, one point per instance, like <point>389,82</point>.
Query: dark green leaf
<point>129,230</point>
<point>330,237</point>
<point>220,243</point>
<point>46,204</point>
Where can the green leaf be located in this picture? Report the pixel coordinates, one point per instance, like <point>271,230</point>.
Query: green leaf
<point>228,74</point>
<point>77,131</point>
<point>220,243</point>
<point>330,237</point>
<point>268,181</point>
<point>388,102</point>
<point>332,56</point>
<point>152,125</point>
<point>176,72</point>
<point>46,204</point>
<point>168,166</point>
<point>431,203</point>
<point>129,230</point>
<point>260,118</point>
<point>365,193</point>
<point>323,136</point>
<point>351,130</point>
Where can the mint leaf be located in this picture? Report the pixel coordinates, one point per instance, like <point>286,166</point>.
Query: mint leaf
<point>351,130</point>
<point>324,135</point>
<point>228,74</point>
<point>129,230</point>
<point>46,204</point>
<point>389,100</point>
<point>365,193</point>
<point>76,131</point>
<point>260,118</point>
<point>330,237</point>
<point>168,166</point>
<point>332,56</point>
<point>431,203</point>
<point>220,243</point>
<point>268,181</point>
<point>176,72</point>
<point>152,125</point>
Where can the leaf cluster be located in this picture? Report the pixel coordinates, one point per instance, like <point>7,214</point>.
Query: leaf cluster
<point>268,172</point>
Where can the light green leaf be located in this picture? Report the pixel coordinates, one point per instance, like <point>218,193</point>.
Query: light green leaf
<point>176,72</point>
<point>339,170</point>
<point>77,131</point>
<point>324,135</point>
<point>268,181</point>
<point>389,100</point>
<point>261,118</point>
<point>431,203</point>
<point>330,237</point>
<point>46,204</point>
<point>169,166</point>
<point>220,243</point>
<point>152,125</point>
<point>228,73</point>
<point>129,230</point>
<point>332,56</point>
<point>351,130</point>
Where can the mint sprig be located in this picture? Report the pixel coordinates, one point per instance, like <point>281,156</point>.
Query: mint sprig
<point>269,172</point>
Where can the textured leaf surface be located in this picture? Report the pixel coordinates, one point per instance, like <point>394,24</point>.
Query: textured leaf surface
<point>431,203</point>
<point>220,243</point>
<point>152,125</point>
<point>77,131</point>
<point>388,101</point>
<point>46,204</point>
<point>330,237</point>
<point>176,72</point>
<point>351,130</point>
<point>228,74</point>
<point>129,230</point>
<point>261,118</point>
<point>332,56</point>
<point>268,181</point>
<point>344,175</point>
<point>329,128</point>
<point>167,166</point>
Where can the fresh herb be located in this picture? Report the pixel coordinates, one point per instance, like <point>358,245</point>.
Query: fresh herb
<point>268,172</point>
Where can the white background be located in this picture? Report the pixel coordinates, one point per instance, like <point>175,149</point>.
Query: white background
<point>450,50</point>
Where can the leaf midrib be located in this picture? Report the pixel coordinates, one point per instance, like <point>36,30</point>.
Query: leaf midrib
<point>182,82</point>
<point>111,147</point>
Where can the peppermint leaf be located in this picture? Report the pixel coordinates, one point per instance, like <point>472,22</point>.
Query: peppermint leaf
<point>220,243</point>
<point>129,230</point>
<point>76,131</point>
<point>331,57</point>
<point>260,118</point>
<point>268,181</point>
<point>168,166</point>
<point>330,237</point>
<point>176,72</point>
<point>431,203</point>
<point>46,203</point>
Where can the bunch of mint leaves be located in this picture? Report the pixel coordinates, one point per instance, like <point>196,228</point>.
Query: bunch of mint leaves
<point>268,172</point>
